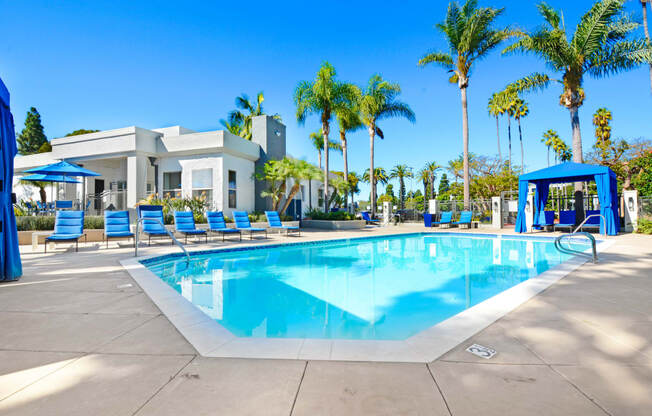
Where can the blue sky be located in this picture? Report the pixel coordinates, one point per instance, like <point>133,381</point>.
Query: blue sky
<point>110,64</point>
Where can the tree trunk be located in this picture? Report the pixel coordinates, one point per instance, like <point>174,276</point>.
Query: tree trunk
<point>372,179</point>
<point>310,194</point>
<point>548,156</point>
<point>293,192</point>
<point>500,155</point>
<point>647,33</point>
<point>43,194</point>
<point>520,138</point>
<point>402,192</point>
<point>319,153</point>
<point>577,158</point>
<point>509,140</point>
<point>465,138</point>
<point>346,166</point>
<point>325,131</point>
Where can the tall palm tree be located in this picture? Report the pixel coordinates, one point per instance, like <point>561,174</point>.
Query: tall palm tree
<point>431,168</point>
<point>378,102</point>
<point>322,97</point>
<point>471,35</point>
<point>424,177</point>
<point>348,119</point>
<point>354,181</point>
<point>379,176</point>
<point>244,113</point>
<point>496,110</point>
<point>549,140</point>
<point>401,172</point>
<point>520,110</point>
<point>298,170</point>
<point>317,139</point>
<point>599,46</point>
<point>647,32</point>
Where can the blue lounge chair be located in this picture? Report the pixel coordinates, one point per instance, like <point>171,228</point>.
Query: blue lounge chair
<point>274,221</point>
<point>116,225</point>
<point>367,218</point>
<point>593,223</point>
<point>184,223</point>
<point>63,205</point>
<point>446,218</point>
<point>465,219</point>
<point>546,219</point>
<point>153,221</point>
<point>217,224</point>
<point>68,226</point>
<point>242,223</point>
<point>566,220</point>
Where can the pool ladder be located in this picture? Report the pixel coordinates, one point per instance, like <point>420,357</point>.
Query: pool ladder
<point>174,240</point>
<point>568,250</point>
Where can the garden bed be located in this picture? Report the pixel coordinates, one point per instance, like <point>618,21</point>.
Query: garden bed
<point>334,225</point>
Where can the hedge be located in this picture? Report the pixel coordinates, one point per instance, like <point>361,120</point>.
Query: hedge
<point>46,223</point>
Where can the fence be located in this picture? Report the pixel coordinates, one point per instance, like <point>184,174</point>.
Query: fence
<point>645,204</point>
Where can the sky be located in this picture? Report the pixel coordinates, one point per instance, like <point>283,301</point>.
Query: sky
<point>111,64</point>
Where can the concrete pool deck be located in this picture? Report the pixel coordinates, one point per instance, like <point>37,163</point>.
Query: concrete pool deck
<point>80,337</point>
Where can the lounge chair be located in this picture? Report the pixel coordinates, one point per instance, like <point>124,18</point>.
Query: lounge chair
<point>446,218</point>
<point>465,219</point>
<point>116,226</point>
<point>184,223</point>
<point>566,220</point>
<point>63,205</point>
<point>153,221</point>
<point>68,226</point>
<point>242,223</point>
<point>367,218</point>
<point>546,219</point>
<point>593,223</point>
<point>217,224</point>
<point>274,221</point>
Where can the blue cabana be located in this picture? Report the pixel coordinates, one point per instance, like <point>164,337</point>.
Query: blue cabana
<point>10,265</point>
<point>604,178</point>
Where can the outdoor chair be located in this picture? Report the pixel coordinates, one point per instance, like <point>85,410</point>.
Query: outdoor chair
<point>63,205</point>
<point>465,219</point>
<point>368,219</point>
<point>116,226</point>
<point>546,220</point>
<point>242,223</point>
<point>593,223</point>
<point>446,218</point>
<point>217,224</point>
<point>68,226</point>
<point>274,221</point>
<point>184,223</point>
<point>566,220</point>
<point>153,221</point>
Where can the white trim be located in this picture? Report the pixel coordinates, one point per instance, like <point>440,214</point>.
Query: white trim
<point>211,339</point>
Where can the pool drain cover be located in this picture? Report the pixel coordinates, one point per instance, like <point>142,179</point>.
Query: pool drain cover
<point>481,351</point>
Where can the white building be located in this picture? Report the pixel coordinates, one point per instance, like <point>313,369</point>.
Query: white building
<point>170,162</point>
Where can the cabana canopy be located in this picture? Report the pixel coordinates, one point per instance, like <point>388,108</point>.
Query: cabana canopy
<point>604,178</point>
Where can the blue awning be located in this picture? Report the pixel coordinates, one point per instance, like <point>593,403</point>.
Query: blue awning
<point>10,265</point>
<point>604,178</point>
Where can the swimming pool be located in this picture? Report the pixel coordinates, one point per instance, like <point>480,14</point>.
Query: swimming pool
<point>370,288</point>
<point>383,288</point>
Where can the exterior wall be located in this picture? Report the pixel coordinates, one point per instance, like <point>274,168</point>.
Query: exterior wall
<point>245,197</point>
<point>186,164</point>
<point>269,134</point>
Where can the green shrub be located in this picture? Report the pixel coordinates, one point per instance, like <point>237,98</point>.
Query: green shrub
<point>46,223</point>
<point>93,223</point>
<point>316,214</point>
<point>644,226</point>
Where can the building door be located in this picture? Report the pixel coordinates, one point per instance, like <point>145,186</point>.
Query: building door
<point>99,188</point>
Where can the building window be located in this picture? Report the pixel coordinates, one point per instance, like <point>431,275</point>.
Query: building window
<point>172,185</point>
<point>232,189</point>
<point>202,184</point>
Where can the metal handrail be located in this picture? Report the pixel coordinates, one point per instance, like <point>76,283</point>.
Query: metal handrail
<point>569,250</point>
<point>604,221</point>
<point>174,240</point>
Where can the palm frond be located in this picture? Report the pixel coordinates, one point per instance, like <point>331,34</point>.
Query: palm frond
<point>550,15</point>
<point>397,109</point>
<point>594,26</point>
<point>532,82</point>
<point>623,56</point>
<point>439,58</point>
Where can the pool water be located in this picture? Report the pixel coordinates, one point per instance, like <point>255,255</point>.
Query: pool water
<point>384,288</point>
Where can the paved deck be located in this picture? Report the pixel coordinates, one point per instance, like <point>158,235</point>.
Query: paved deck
<point>79,337</point>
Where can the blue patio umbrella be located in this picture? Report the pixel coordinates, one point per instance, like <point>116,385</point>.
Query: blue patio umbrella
<point>10,265</point>
<point>63,168</point>
<point>39,177</point>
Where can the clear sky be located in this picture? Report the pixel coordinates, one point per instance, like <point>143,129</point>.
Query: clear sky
<point>111,64</point>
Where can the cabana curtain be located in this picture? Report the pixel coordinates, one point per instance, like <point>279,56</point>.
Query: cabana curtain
<point>604,178</point>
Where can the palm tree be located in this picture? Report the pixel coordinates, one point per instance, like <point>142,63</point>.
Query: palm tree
<point>424,177</point>
<point>275,173</point>
<point>233,126</point>
<point>471,36</point>
<point>549,139</point>
<point>317,139</point>
<point>431,168</point>
<point>379,176</point>
<point>348,119</point>
<point>496,109</point>
<point>354,181</point>
<point>519,109</point>
<point>41,188</point>
<point>323,96</point>
<point>244,119</point>
<point>378,102</point>
<point>401,172</point>
<point>599,46</point>
<point>298,170</point>
<point>646,31</point>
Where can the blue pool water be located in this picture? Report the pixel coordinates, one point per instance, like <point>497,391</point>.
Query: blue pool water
<point>387,288</point>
